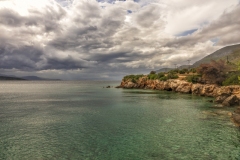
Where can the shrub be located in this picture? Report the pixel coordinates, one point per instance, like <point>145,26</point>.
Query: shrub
<point>132,77</point>
<point>160,75</point>
<point>152,76</point>
<point>193,70</point>
<point>182,72</point>
<point>172,76</point>
<point>193,78</point>
<point>152,72</point>
<point>231,80</point>
<point>163,78</point>
<point>173,71</point>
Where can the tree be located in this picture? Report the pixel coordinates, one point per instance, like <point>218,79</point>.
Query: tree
<point>214,72</point>
<point>153,72</point>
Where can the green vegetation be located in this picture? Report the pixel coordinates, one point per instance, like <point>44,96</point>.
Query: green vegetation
<point>162,76</point>
<point>153,72</point>
<point>193,70</point>
<point>183,71</point>
<point>154,76</point>
<point>230,54</point>
<point>132,77</point>
<point>193,78</point>
<point>221,72</point>
<point>172,76</point>
<point>231,80</point>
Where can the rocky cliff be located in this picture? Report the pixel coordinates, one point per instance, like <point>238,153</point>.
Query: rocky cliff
<point>226,95</point>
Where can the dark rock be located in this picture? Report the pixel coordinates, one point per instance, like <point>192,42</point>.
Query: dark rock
<point>210,101</point>
<point>108,87</point>
<point>118,87</point>
<point>231,101</point>
<point>220,99</point>
<point>236,119</point>
<point>237,111</point>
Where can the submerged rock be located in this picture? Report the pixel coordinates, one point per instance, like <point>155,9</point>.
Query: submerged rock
<point>237,111</point>
<point>230,101</point>
<point>236,116</point>
<point>220,99</point>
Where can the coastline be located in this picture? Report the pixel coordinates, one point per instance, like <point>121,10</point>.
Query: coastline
<point>224,96</point>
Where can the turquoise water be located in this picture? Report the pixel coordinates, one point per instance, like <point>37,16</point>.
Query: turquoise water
<point>83,120</point>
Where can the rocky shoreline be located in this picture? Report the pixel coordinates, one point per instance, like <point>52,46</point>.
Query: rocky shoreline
<point>227,96</point>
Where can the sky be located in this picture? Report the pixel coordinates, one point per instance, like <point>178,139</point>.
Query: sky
<point>108,39</point>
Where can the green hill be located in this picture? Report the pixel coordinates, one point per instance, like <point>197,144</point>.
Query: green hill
<point>230,53</point>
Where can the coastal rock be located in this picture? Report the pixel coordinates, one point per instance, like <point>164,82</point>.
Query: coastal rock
<point>227,95</point>
<point>184,87</point>
<point>208,90</point>
<point>236,119</point>
<point>174,84</point>
<point>220,99</point>
<point>236,116</point>
<point>230,101</point>
<point>129,85</point>
<point>223,91</point>
<point>237,111</point>
<point>196,89</point>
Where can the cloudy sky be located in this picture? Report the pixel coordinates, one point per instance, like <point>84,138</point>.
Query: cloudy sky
<point>107,39</point>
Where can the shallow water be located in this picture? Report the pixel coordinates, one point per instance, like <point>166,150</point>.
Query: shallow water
<point>83,120</point>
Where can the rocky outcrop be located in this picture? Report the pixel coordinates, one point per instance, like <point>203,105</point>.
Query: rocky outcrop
<point>236,116</point>
<point>231,100</point>
<point>227,95</point>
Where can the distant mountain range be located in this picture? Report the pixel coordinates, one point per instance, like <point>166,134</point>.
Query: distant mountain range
<point>230,53</point>
<point>5,78</point>
<point>35,78</point>
<point>31,78</point>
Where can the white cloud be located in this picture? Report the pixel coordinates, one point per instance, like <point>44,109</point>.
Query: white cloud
<point>183,15</point>
<point>107,39</point>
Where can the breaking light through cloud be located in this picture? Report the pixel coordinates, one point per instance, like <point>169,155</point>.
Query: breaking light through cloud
<point>107,39</point>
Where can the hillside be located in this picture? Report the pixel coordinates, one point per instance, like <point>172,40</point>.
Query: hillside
<point>164,70</point>
<point>232,53</point>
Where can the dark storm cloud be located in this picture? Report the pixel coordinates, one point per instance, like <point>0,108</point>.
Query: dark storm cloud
<point>65,64</point>
<point>24,58</point>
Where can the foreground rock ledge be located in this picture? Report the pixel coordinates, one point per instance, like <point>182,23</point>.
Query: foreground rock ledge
<point>226,95</point>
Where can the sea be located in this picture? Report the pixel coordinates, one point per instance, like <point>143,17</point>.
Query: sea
<point>84,120</point>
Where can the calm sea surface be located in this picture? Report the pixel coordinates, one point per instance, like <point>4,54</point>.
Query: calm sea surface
<point>84,121</point>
